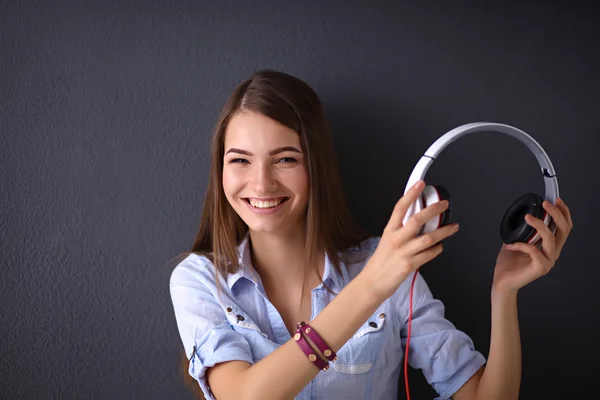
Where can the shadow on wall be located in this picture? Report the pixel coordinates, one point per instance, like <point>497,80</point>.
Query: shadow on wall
<point>375,142</point>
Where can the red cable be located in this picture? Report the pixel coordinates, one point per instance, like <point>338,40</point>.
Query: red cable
<point>408,338</point>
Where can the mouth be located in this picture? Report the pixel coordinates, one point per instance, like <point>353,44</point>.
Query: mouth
<point>266,204</point>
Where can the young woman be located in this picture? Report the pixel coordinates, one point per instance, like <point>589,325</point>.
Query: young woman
<point>277,246</point>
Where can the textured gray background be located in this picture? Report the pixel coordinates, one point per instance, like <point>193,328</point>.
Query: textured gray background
<point>106,109</point>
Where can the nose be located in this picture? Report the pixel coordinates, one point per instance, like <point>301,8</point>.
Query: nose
<point>264,179</point>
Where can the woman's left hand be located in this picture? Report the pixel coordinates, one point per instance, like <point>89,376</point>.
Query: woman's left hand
<point>519,264</point>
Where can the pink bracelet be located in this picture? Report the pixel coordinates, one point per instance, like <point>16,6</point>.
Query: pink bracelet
<point>312,357</point>
<point>318,341</point>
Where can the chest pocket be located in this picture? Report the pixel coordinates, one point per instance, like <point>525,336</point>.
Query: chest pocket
<point>350,375</point>
<point>358,354</point>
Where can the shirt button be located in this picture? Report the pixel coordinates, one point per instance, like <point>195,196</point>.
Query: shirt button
<point>382,315</point>
<point>240,318</point>
<point>373,324</point>
<point>229,309</point>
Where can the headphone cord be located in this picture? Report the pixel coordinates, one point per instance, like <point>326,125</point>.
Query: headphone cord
<point>408,335</point>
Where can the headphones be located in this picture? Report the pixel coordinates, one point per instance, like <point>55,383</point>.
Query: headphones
<point>513,227</point>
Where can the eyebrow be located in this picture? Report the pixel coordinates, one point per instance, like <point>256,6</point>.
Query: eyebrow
<point>271,153</point>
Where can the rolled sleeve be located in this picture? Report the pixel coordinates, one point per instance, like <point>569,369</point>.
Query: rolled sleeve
<point>445,355</point>
<point>207,336</point>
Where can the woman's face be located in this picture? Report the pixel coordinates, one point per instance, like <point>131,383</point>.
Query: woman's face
<point>264,176</point>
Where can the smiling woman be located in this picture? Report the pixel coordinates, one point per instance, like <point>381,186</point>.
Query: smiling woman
<point>283,296</point>
<point>277,246</point>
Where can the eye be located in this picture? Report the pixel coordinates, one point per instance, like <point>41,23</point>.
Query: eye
<point>287,160</point>
<point>238,161</point>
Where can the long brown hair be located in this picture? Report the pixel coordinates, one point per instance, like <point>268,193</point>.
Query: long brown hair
<point>330,226</point>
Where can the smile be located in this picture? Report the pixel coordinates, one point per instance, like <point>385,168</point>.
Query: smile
<point>265,205</point>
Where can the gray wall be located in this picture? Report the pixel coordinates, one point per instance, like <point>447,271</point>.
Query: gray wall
<point>106,110</point>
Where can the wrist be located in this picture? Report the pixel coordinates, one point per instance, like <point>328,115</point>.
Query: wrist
<point>503,287</point>
<point>369,285</point>
<point>503,294</point>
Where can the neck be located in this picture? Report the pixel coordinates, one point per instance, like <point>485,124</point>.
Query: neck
<point>280,260</point>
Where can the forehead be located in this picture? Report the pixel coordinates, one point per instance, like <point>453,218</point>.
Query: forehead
<point>256,132</point>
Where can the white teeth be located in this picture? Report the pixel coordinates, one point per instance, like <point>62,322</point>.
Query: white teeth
<point>265,204</point>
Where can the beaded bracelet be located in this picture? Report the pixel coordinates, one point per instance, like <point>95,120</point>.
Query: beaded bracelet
<point>312,357</point>
<point>318,341</point>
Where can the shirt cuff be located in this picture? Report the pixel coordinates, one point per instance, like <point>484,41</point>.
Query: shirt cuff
<point>462,376</point>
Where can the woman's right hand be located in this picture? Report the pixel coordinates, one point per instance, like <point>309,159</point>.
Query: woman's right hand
<point>401,251</point>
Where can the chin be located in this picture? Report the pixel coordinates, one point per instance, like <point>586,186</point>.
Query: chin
<point>263,229</point>
<point>282,226</point>
<point>262,226</point>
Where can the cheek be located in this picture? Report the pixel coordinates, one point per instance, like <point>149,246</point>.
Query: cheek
<point>301,183</point>
<point>230,181</point>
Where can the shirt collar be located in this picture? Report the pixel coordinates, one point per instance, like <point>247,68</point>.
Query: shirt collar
<point>245,262</point>
<point>330,274</point>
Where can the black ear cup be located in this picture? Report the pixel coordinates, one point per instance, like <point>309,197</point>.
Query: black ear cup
<point>433,194</point>
<point>446,216</point>
<point>513,227</point>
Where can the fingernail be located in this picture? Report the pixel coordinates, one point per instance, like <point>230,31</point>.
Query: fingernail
<point>420,184</point>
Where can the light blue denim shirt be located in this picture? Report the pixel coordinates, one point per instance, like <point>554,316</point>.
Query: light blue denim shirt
<point>240,323</point>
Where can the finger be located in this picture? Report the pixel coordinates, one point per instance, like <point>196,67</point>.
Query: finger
<point>540,264</point>
<point>548,239</point>
<point>403,204</point>
<point>565,210</point>
<point>430,239</point>
<point>427,255</point>
<point>557,215</point>
<point>563,227</point>
<point>419,219</point>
